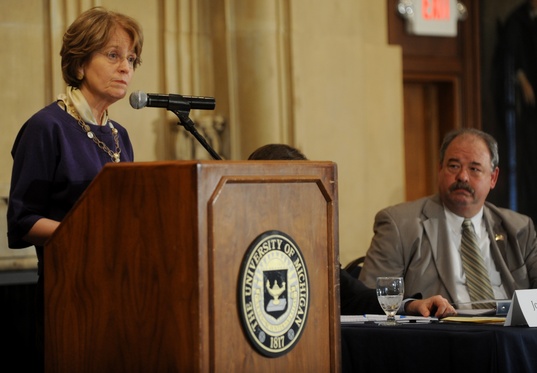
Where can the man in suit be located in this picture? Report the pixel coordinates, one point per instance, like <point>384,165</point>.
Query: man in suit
<point>355,297</point>
<point>421,240</point>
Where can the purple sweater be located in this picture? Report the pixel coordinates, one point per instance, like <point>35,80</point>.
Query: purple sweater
<point>53,163</point>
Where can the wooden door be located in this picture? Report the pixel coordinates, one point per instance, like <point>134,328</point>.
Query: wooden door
<point>440,92</point>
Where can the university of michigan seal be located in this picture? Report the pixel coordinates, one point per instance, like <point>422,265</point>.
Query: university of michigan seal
<point>273,293</point>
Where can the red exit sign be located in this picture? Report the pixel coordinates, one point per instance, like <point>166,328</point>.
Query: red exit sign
<point>435,9</point>
<point>433,18</point>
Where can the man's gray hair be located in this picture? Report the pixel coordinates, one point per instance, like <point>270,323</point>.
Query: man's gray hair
<point>492,144</point>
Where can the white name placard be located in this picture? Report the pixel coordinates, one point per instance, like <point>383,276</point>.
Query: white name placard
<point>523,310</point>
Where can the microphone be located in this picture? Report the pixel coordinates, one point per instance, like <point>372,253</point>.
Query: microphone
<point>172,102</point>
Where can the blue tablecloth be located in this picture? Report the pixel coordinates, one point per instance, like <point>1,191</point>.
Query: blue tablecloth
<point>438,348</point>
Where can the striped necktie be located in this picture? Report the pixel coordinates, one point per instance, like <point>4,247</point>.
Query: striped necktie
<point>477,277</point>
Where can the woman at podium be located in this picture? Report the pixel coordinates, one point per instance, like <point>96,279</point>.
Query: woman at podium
<point>62,147</point>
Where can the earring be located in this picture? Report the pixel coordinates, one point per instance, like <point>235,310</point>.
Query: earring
<point>80,75</point>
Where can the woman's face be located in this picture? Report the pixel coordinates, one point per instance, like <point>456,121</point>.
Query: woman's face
<point>108,72</point>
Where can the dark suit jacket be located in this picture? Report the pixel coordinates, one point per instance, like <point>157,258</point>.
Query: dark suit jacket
<point>411,240</point>
<point>355,297</point>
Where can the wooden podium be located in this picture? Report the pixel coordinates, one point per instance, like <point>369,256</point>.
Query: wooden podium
<point>143,275</point>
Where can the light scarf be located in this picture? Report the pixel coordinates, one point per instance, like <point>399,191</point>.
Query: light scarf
<point>75,98</point>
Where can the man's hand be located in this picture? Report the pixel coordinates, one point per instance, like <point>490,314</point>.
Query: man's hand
<point>437,306</point>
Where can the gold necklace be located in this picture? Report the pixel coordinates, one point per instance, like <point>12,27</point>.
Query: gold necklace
<point>92,136</point>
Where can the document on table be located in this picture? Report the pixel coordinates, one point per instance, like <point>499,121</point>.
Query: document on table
<point>361,319</point>
<point>475,319</point>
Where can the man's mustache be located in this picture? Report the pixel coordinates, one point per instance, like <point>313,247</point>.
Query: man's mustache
<point>461,185</point>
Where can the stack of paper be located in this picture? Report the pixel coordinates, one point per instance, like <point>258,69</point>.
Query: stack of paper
<point>360,319</point>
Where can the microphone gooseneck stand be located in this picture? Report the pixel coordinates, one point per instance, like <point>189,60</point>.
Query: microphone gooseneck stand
<point>188,124</point>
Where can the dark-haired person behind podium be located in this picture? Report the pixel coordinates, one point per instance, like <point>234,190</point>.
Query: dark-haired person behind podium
<point>61,148</point>
<point>355,297</point>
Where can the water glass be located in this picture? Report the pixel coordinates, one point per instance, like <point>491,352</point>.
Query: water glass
<point>390,296</point>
